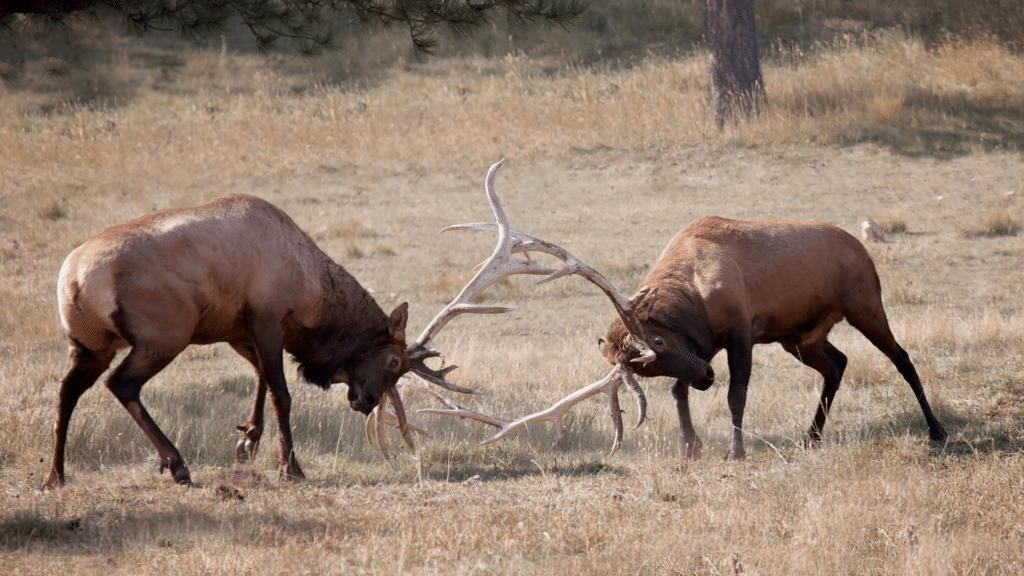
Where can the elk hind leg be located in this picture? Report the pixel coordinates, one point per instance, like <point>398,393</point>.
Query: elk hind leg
<point>252,430</point>
<point>692,447</point>
<point>828,361</point>
<point>875,328</point>
<point>126,382</point>
<point>86,367</point>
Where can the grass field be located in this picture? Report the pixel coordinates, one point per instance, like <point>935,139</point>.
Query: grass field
<point>609,163</point>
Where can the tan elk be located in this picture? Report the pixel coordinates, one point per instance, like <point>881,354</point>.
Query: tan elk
<point>727,285</point>
<point>235,270</point>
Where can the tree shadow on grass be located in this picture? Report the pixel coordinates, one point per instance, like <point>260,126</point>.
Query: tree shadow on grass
<point>957,125</point>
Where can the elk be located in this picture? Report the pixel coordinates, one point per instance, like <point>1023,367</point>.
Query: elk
<point>235,270</point>
<point>728,285</point>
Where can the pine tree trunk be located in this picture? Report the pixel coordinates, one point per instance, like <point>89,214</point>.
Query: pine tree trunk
<point>735,86</point>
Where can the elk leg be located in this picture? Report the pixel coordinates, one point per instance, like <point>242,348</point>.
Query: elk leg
<point>828,361</point>
<point>740,352</point>
<point>252,430</point>
<point>878,333</point>
<point>269,354</point>
<point>692,447</point>
<point>86,367</point>
<point>126,382</point>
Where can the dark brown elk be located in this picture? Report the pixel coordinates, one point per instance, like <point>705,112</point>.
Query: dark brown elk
<point>728,285</point>
<point>235,270</point>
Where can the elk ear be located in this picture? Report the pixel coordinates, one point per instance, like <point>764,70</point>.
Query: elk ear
<point>396,323</point>
<point>643,303</point>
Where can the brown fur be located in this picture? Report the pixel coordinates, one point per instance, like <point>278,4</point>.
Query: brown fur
<point>235,270</point>
<point>728,284</point>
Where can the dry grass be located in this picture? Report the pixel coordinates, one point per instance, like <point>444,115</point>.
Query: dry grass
<point>610,164</point>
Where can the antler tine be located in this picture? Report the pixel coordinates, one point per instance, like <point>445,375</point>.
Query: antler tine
<point>557,411</point>
<point>384,414</point>
<point>460,411</point>
<point>501,264</point>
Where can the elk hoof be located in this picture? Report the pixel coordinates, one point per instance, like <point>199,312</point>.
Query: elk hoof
<point>248,444</point>
<point>812,441</point>
<point>178,470</point>
<point>53,480</point>
<point>290,471</point>
<point>736,455</point>
<point>938,435</point>
<point>245,451</point>
<point>693,450</point>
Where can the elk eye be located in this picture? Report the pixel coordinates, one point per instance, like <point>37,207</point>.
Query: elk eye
<point>658,341</point>
<point>393,364</point>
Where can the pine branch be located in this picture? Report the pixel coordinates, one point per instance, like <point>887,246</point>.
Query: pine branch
<point>309,24</point>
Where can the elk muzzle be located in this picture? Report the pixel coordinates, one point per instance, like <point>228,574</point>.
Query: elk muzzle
<point>706,381</point>
<point>362,401</point>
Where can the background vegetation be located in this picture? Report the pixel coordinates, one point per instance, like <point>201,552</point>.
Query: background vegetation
<point>909,116</point>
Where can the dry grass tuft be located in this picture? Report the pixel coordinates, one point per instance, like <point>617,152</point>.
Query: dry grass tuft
<point>53,211</point>
<point>995,225</point>
<point>895,224</point>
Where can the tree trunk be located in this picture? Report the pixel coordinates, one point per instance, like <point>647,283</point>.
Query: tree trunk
<point>734,73</point>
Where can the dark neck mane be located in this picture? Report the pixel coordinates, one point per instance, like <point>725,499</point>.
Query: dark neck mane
<point>350,325</point>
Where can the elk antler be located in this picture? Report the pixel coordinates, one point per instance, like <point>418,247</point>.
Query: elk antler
<point>554,414</point>
<point>626,307</point>
<point>502,264</point>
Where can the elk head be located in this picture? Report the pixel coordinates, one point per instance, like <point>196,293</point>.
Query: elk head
<point>672,340</point>
<point>370,376</point>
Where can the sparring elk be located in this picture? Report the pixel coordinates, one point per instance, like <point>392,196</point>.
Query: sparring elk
<point>729,284</point>
<point>235,270</point>
<point>725,284</point>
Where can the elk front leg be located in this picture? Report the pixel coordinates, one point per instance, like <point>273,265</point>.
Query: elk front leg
<point>740,351</point>
<point>252,430</point>
<point>692,447</point>
<point>269,352</point>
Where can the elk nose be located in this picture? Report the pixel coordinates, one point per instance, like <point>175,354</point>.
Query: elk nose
<point>707,381</point>
<point>364,404</point>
